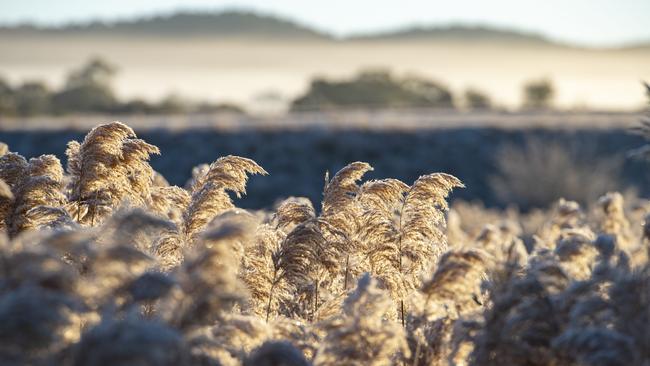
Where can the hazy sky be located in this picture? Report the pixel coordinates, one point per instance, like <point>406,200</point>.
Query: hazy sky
<point>593,22</point>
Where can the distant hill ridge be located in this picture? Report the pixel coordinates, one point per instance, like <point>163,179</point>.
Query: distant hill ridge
<point>232,24</point>
<point>456,32</point>
<point>229,23</point>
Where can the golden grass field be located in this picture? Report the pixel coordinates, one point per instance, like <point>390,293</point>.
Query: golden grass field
<point>104,262</point>
<point>238,70</point>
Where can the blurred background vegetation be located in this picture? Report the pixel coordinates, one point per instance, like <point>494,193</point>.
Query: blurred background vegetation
<point>89,89</point>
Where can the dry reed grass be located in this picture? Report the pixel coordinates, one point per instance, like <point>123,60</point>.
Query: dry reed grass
<point>107,264</point>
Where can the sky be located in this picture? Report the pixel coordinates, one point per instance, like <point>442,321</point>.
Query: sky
<point>586,22</point>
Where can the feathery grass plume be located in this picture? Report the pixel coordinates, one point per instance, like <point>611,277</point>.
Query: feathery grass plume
<point>274,353</point>
<point>231,339</point>
<point>198,173</point>
<point>595,311</point>
<point>209,192</point>
<point>577,253</point>
<point>318,245</point>
<point>133,227</point>
<point>523,318</point>
<point>6,202</point>
<point>236,227</point>
<point>384,195</point>
<point>4,148</point>
<point>292,212</point>
<point>595,346</point>
<point>454,291</point>
<point>108,167</point>
<point>341,213</point>
<point>35,266</point>
<point>5,191</point>
<point>38,196</point>
<point>456,235</point>
<point>339,207</point>
<point>342,188</point>
<point>208,281</point>
<point>131,341</point>
<point>12,171</point>
<point>169,250</point>
<point>566,215</point>
<point>271,293</point>
<point>305,336</point>
<point>140,175</point>
<point>501,246</point>
<point>107,269</point>
<point>36,323</point>
<point>630,300</point>
<point>457,281</point>
<point>258,272</point>
<point>421,237</point>
<point>614,221</point>
<point>12,168</point>
<point>361,335</point>
<point>305,261</point>
<point>380,201</point>
<point>149,286</point>
<point>159,180</point>
<point>170,202</point>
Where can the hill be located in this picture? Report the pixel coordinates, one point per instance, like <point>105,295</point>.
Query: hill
<point>224,24</point>
<point>247,24</point>
<point>457,33</point>
<point>253,25</point>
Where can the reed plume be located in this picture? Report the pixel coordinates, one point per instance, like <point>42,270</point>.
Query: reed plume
<point>418,236</point>
<point>38,197</point>
<point>108,167</point>
<point>209,192</point>
<point>209,286</point>
<point>361,335</point>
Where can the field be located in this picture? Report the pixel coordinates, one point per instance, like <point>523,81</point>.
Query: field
<point>297,149</point>
<point>119,257</point>
<point>240,70</point>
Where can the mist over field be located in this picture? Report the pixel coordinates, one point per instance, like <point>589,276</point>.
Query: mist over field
<point>250,59</point>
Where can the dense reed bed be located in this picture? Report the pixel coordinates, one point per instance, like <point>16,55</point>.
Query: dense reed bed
<point>105,263</point>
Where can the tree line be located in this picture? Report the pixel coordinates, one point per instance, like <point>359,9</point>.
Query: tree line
<point>89,89</point>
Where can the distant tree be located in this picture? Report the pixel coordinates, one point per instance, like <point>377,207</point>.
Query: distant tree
<point>427,93</point>
<point>374,89</point>
<point>32,98</point>
<point>88,89</point>
<point>7,100</point>
<point>476,99</point>
<point>538,94</point>
<point>219,108</point>
<point>172,104</point>
<point>135,106</point>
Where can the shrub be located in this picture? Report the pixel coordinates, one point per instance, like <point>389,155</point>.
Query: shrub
<point>540,172</point>
<point>538,94</point>
<point>476,99</point>
<point>374,89</point>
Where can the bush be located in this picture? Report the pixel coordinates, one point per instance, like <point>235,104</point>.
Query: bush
<point>7,101</point>
<point>542,172</point>
<point>88,89</point>
<point>32,98</point>
<point>538,94</point>
<point>476,99</point>
<point>374,89</point>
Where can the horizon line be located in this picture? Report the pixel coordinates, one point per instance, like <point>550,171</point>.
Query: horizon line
<point>378,32</point>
